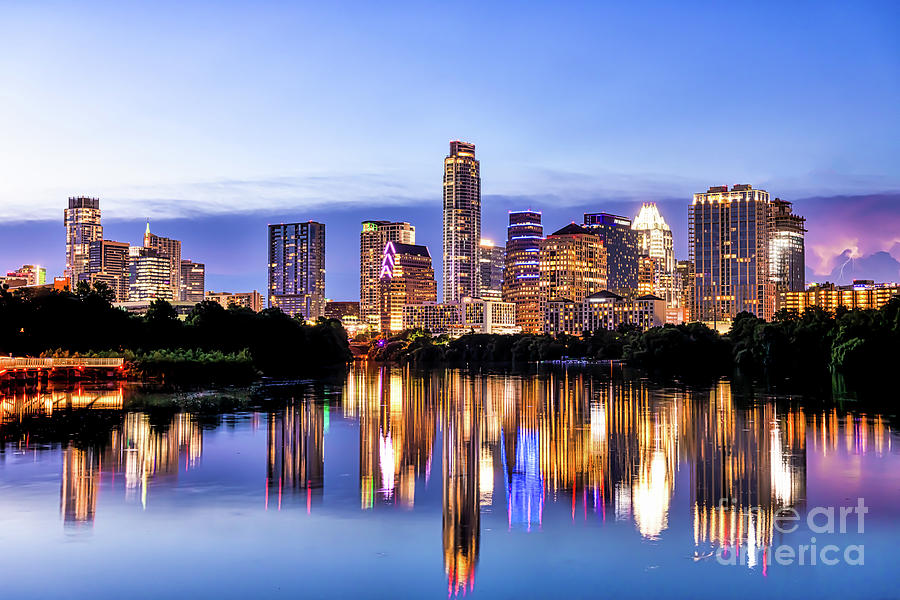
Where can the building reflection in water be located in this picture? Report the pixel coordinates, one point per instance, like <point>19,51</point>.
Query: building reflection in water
<point>604,449</point>
<point>296,453</point>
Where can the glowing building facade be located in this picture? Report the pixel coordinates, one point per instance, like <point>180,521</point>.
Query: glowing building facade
<point>862,294</point>
<point>572,264</point>
<point>108,263</point>
<point>787,254</point>
<point>457,318</point>
<point>491,259</point>
<point>407,277</point>
<point>252,300</point>
<point>656,250</point>
<point>603,310</point>
<point>372,240</point>
<point>149,275</point>
<point>169,249</point>
<point>462,222</point>
<point>82,223</point>
<point>729,233</point>
<point>297,269</point>
<point>522,272</point>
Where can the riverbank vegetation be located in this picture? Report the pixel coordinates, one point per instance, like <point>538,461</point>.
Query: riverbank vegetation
<point>853,343</point>
<point>211,342</point>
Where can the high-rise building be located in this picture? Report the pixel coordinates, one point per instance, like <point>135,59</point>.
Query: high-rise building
<point>462,222</point>
<point>684,288</point>
<point>603,310</point>
<point>297,268</point>
<point>491,259</point>
<point>372,240</point>
<point>522,273</point>
<point>32,274</point>
<point>621,244</point>
<point>193,281</point>
<point>82,221</point>
<point>572,264</point>
<point>787,255</point>
<point>729,233</point>
<point>407,277</point>
<point>108,263</point>
<point>149,275</point>
<point>170,249</point>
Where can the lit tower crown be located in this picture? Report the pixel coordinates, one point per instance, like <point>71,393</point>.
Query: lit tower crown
<point>462,222</point>
<point>655,237</point>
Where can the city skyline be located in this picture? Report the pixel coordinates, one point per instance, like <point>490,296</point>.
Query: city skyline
<point>259,116</point>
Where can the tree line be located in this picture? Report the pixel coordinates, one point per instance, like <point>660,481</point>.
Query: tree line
<point>211,340</point>
<point>856,343</point>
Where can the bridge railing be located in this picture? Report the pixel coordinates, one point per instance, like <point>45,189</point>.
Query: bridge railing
<point>53,363</point>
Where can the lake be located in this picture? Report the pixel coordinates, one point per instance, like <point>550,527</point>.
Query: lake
<point>392,482</point>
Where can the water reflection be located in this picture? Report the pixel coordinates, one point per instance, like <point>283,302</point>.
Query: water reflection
<point>605,449</point>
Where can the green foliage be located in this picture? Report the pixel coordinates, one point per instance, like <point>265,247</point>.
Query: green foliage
<point>57,323</point>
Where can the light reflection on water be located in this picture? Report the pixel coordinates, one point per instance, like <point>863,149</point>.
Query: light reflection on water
<point>514,455</point>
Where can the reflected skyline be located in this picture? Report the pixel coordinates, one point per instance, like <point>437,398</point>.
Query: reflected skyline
<point>600,450</point>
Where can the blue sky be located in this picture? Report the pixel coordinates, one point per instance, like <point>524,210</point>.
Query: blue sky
<point>215,117</point>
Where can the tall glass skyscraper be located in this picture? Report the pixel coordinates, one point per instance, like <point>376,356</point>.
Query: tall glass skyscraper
<point>491,262</point>
<point>787,254</point>
<point>170,249</point>
<point>297,268</point>
<point>462,222</point>
<point>522,272</point>
<point>656,248</point>
<point>82,222</point>
<point>621,242</point>
<point>728,242</point>
<point>372,240</point>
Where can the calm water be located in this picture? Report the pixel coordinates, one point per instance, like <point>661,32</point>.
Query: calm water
<point>402,484</point>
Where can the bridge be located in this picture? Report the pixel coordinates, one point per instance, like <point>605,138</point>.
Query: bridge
<point>15,370</point>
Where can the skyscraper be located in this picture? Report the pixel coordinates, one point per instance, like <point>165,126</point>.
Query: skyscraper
<point>149,275</point>
<point>170,249</point>
<point>462,222</point>
<point>82,222</point>
<point>193,281</point>
<point>787,255</point>
<point>572,264</point>
<point>656,243</point>
<point>621,243</point>
<point>522,273</point>
<point>728,243</point>
<point>108,263</point>
<point>297,268</point>
<point>491,259</point>
<point>407,277</point>
<point>372,240</point>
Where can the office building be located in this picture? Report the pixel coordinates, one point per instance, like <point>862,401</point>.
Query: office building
<point>33,275</point>
<point>472,315</point>
<point>193,281</point>
<point>684,289</point>
<point>341,310</point>
<point>728,242</point>
<point>82,222</point>
<point>171,250</point>
<point>621,243</point>
<point>603,310</point>
<point>462,222</point>
<point>108,263</point>
<point>149,275</point>
<point>407,277</point>
<point>372,240</point>
<point>297,269</point>
<point>491,259</point>
<point>572,264</point>
<point>252,300</point>
<point>522,273</point>
<point>787,255</point>
<point>655,242</point>
<point>862,294</point>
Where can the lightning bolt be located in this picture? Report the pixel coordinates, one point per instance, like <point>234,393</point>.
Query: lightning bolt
<point>849,260</point>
